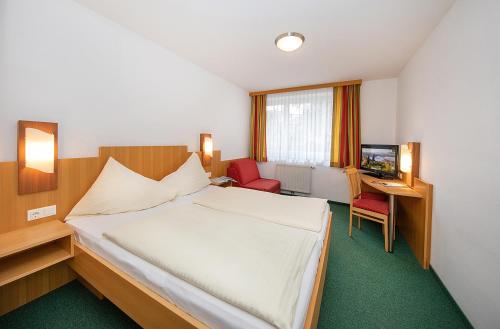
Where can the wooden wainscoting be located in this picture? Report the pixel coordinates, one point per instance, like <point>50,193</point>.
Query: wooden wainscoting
<point>74,179</point>
<point>77,175</point>
<point>154,162</point>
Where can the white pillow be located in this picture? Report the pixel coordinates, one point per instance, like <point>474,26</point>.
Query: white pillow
<point>189,178</point>
<point>119,189</point>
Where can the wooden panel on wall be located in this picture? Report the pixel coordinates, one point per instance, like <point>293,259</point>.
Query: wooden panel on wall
<point>414,220</point>
<point>74,179</point>
<point>33,286</point>
<point>151,161</point>
<point>77,175</point>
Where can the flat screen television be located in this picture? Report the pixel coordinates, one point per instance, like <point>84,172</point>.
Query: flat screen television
<point>380,160</point>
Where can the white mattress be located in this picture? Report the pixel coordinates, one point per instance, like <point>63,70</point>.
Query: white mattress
<point>203,306</point>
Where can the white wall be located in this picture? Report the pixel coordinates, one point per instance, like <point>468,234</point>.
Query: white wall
<point>449,100</point>
<point>378,105</point>
<point>106,85</point>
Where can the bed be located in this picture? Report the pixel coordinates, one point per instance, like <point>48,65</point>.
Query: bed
<point>157,299</point>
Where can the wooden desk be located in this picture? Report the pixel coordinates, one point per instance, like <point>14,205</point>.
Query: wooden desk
<point>394,191</point>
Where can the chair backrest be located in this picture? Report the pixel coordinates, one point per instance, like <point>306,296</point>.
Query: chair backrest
<point>247,170</point>
<point>354,180</point>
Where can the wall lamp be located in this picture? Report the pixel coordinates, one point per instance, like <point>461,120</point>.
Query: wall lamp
<point>409,163</point>
<point>405,163</point>
<point>37,156</point>
<point>207,149</point>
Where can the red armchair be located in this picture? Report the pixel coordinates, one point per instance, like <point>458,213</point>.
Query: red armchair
<point>246,174</point>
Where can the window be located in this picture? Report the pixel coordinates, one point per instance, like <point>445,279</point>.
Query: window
<point>299,127</point>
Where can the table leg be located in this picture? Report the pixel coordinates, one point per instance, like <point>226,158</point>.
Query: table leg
<point>391,221</point>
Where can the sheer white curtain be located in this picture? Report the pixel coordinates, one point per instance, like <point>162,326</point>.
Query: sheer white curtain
<point>299,127</point>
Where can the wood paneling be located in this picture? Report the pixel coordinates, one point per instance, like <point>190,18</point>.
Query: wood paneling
<point>74,179</point>
<point>31,180</point>
<point>78,174</point>
<point>22,291</point>
<point>308,87</point>
<point>154,162</point>
<point>414,220</point>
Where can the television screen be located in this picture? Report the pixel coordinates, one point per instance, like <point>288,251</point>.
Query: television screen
<point>380,159</point>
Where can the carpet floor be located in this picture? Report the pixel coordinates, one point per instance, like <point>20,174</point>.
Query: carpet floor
<point>365,287</point>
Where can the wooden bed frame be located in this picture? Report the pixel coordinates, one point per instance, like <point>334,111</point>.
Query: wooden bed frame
<point>76,176</point>
<point>142,304</point>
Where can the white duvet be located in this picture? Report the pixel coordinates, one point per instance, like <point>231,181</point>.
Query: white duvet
<point>254,265</point>
<point>294,211</point>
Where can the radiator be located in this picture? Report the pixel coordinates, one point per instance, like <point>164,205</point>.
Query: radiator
<point>294,178</point>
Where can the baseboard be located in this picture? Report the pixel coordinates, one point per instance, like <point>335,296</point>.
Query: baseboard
<point>443,287</point>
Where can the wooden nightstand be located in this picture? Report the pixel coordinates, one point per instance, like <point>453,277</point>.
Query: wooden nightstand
<point>226,183</point>
<point>29,250</point>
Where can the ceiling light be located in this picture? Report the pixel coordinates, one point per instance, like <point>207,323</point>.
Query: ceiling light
<point>289,41</point>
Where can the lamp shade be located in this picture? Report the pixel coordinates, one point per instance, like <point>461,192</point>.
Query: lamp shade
<point>406,159</point>
<point>39,150</point>
<point>206,148</point>
<point>37,156</point>
<point>289,41</point>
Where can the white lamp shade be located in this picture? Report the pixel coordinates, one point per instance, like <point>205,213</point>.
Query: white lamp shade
<point>406,159</point>
<point>39,150</point>
<point>290,41</point>
<point>208,146</point>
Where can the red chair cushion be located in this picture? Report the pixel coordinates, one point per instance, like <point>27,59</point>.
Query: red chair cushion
<point>263,184</point>
<point>247,170</point>
<point>378,206</point>
<point>373,196</point>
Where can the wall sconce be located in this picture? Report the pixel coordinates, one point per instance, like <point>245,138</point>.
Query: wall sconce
<point>406,159</point>
<point>410,162</point>
<point>37,156</point>
<point>206,148</point>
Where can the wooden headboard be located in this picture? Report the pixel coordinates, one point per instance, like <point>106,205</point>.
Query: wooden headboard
<point>77,175</point>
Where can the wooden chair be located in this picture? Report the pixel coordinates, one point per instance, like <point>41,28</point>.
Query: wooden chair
<point>371,206</point>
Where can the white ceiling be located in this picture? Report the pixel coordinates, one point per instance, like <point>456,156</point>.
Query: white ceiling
<point>345,39</point>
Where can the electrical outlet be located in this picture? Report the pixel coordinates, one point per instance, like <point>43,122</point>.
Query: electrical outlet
<point>34,214</point>
<point>43,212</point>
<point>50,210</point>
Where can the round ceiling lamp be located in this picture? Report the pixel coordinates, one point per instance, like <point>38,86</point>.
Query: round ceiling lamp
<point>289,41</point>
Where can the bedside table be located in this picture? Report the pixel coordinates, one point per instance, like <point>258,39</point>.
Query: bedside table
<point>221,184</point>
<point>34,248</point>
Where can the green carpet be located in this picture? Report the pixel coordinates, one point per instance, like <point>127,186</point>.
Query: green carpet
<point>365,288</point>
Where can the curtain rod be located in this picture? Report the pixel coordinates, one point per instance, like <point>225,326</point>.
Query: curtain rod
<point>318,86</point>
